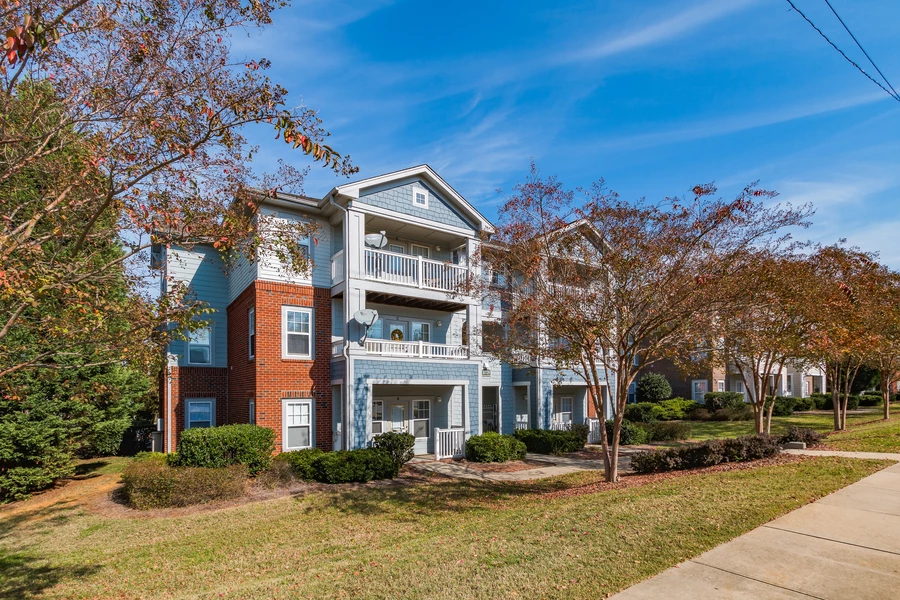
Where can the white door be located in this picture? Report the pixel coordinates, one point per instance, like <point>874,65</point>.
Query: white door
<point>397,417</point>
<point>421,425</point>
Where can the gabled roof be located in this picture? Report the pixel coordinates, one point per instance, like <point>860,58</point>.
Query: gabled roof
<point>427,174</point>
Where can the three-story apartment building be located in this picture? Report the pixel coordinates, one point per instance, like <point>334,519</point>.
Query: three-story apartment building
<point>286,351</point>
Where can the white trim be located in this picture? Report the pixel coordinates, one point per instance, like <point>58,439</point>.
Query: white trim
<point>413,220</point>
<point>392,245</point>
<point>720,383</point>
<point>284,332</point>
<point>416,190</point>
<point>210,344</point>
<point>251,333</point>
<point>693,393</point>
<point>187,410</point>
<point>284,425</point>
<point>427,250</point>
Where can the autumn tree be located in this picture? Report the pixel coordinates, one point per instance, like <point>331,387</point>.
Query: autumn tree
<point>606,287</point>
<point>769,328</point>
<point>132,115</point>
<point>884,325</point>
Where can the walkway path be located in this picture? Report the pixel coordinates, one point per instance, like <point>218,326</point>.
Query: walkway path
<point>556,465</point>
<point>846,545</point>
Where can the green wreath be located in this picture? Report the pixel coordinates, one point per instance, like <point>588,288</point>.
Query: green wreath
<point>397,335</point>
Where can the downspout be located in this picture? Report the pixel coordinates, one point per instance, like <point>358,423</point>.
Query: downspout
<point>345,347</point>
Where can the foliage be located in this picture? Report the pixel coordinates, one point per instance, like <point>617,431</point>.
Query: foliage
<point>107,436</point>
<point>215,447</point>
<point>870,399</point>
<point>354,466</point>
<point>630,433</point>
<point>279,474</point>
<point>653,387</point>
<point>493,447</point>
<point>666,410</point>
<point>810,437</point>
<point>784,405</point>
<point>301,462</point>
<point>544,441</point>
<point>706,454</point>
<point>398,445</point>
<point>804,404</point>
<point>667,431</point>
<point>642,412</point>
<point>714,401</point>
<point>154,484</point>
<point>742,413</point>
<point>826,402</point>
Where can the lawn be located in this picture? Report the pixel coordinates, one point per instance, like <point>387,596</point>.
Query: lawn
<point>447,539</point>
<point>880,436</point>
<point>705,430</point>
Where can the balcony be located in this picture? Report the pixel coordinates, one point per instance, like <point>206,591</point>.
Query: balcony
<point>414,271</point>
<point>416,350</point>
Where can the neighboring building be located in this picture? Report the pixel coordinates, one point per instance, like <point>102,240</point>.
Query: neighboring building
<point>285,352</point>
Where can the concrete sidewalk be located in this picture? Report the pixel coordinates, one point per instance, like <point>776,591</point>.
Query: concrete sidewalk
<point>846,545</point>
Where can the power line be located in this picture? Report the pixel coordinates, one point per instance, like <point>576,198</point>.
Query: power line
<point>850,60</point>
<point>872,62</point>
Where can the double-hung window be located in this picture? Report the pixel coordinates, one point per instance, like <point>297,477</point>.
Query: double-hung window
<point>200,413</point>
<point>720,386</point>
<point>296,326</point>
<point>298,432</point>
<point>421,332</point>
<point>251,332</point>
<point>200,346</point>
<point>564,409</point>
<point>699,387</point>
<point>377,417</point>
<point>421,418</point>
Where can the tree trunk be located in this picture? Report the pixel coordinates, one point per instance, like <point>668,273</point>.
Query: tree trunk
<point>836,398</point>
<point>769,417</point>
<point>886,397</point>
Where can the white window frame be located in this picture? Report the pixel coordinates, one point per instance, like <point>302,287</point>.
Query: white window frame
<point>251,411</point>
<point>414,247</point>
<point>720,385</point>
<point>209,345</point>
<point>284,332</point>
<point>419,190</point>
<point>413,419</point>
<point>251,333</point>
<point>805,387</point>
<point>187,410</point>
<point>424,328</point>
<point>789,385</point>
<point>285,403</point>
<point>740,387</point>
<point>694,390</point>
<point>380,421</point>
<point>559,409</point>
<point>397,248</point>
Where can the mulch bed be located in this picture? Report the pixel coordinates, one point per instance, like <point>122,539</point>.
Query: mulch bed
<point>627,480</point>
<point>506,467</point>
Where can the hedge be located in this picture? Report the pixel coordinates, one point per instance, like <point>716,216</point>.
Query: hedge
<point>216,447</point>
<point>152,483</point>
<point>675,409</point>
<point>493,447</point>
<point>823,401</point>
<point>802,404</point>
<point>784,405</point>
<point>354,466</point>
<point>742,413</point>
<point>629,435</point>
<point>706,454</point>
<point>713,401</point>
<point>870,399</point>
<point>399,446</point>
<point>544,441</point>
<point>667,431</point>
<point>301,462</point>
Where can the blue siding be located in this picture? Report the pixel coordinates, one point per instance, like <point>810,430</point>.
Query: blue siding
<point>366,370</point>
<point>400,199</point>
<point>337,369</point>
<point>203,271</point>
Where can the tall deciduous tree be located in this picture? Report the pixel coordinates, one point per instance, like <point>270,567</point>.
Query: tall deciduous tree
<point>606,287</point>
<point>132,113</point>
<point>884,324</point>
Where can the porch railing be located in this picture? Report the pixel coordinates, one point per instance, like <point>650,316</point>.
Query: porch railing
<point>521,421</point>
<point>414,271</point>
<point>560,426</point>
<point>449,443</point>
<point>416,349</point>
<point>593,430</point>
<point>337,267</point>
<point>337,348</point>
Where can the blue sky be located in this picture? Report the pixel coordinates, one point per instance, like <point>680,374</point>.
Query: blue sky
<point>653,96</point>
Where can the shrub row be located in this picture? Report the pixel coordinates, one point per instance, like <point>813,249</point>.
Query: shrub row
<point>715,401</point>
<point>810,437</point>
<point>741,413</point>
<point>667,410</point>
<point>823,401</point>
<point>543,441</point>
<point>629,435</point>
<point>667,431</point>
<point>354,466</point>
<point>493,447</point>
<point>216,447</point>
<point>152,483</point>
<point>706,454</point>
<point>870,399</point>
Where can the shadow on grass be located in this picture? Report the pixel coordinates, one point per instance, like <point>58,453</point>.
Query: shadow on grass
<point>86,470</point>
<point>26,576</point>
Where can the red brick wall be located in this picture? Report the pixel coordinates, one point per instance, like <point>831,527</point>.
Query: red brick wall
<point>241,369</point>
<point>278,378</point>
<point>195,382</point>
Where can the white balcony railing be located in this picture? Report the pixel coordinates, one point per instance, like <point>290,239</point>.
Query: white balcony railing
<point>414,271</point>
<point>449,443</point>
<point>521,422</point>
<point>337,348</point>
<point>337,268</point>
<point>416,349</point>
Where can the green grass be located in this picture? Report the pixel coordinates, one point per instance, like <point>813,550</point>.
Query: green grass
<point>455,539</point>
<point>880,436</point>
<point>706,430</point>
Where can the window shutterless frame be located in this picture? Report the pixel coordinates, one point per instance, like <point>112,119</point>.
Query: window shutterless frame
<point>420,197</point>
<point>199,412</point>
<point>199,346</point>
<point>251,411</point>
<point>251,333</point>
<point>297,418</point>
<point>297,332</point>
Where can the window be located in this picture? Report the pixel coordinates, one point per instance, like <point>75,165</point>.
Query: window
<point>296,324</point>
<point>418,250</point>
<point>199,347</point>
<point>200,413</point>
<point>805,388</point>
<point>632,392</point>
<point>497,279</point>
<point>397,248</point>
<point>699,388</point>
<point>789,384</point>
<point>251,411</point>
<point>297,424</point>
<point>739,387</point>
<point>563,409</point>
<point>376,331</point>
<point>421,332</point>
<point>492,335</point>
<point>720,386</point>
<point>251,332</point>
<point>421,418</point>
<point>420,197</point>
<point>377,417</point>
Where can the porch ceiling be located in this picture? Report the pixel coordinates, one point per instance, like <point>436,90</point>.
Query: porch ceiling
<point>411,302</point>
<point>401,229</point>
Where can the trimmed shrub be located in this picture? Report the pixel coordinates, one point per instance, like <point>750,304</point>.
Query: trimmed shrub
<point>398,445</point>
<point>151,483</point>
<point>493,447</point>
<point>713,401</point>
<point>810,437</point>
<point>653,387</point>
<point>852,402</point>
<point>784,405</point>
<point>667,431</point>
<point>544,441</point>
<point>870,399</point>
<point>667,410</point>
<point>216,447</point>
<point>642,412</point>
<point>706,454</point>
<point>820,400</point>
<point>301,462</point>
<point>630,434</point>
<point>802,404</point>
<point>354,466</point>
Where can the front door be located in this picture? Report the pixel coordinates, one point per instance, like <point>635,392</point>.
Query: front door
<point>397,417</point>
<point>412,416</point>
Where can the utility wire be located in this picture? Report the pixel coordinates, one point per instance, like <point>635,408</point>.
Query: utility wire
<point>872,62</point>
<point>850,60</point>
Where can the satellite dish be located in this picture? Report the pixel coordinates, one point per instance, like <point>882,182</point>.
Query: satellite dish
<point>366,317</point>
<point>376,240</point>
